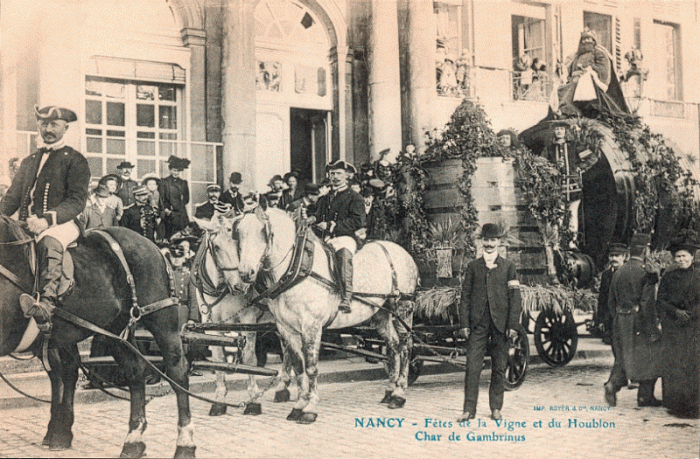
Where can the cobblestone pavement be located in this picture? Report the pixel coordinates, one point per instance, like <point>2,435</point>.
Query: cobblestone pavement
<point>570,394</point>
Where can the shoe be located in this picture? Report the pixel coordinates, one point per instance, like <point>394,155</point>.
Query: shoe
<point>39,309</point>
<point>466,416</point>
<point>610,397</point>
<point>344,307</point>
<point>496,415</point>
<point>641,402</point>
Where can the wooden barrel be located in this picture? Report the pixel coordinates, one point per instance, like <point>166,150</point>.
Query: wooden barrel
<point>497,199</point>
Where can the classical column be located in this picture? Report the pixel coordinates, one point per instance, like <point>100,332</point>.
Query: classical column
<point>195,40</point>
<point>238,88</point>
<point>384,79</point>
<point>420,35</point>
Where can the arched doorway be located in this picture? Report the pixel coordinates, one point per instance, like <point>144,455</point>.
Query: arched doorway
<point>294,84</point>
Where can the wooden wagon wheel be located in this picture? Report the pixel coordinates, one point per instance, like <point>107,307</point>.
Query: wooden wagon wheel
<point>556,337</point>
<point>518,358</point>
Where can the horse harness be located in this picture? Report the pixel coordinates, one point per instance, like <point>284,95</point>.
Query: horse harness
<point>301,267</point>
<point>201,279</point>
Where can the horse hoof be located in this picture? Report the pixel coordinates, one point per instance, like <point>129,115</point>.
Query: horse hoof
<point>185,451</point>
<point>282,396</point>
<point>253,408</point>
<point>217,409</point>
<point>397,402</point>
<point>307,418</point>
<point>59,443</point>
<point>294,415</point>
<point>387,397</point>
<point>133,449</point>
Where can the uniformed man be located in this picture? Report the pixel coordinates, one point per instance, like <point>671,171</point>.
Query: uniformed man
<point>306,206</point>
<point>207,209</point>
<point>141,216</point>
<point>126,190</point>
<point>339,215</point>
<point>232,195</point>
<point>175,195</point>
<point>50,190</point>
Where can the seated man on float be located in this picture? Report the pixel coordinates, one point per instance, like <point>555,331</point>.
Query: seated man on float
<point>339,215</point>
<point>206,210</point>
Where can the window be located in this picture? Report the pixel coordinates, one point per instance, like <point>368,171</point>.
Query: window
<point>601,24</point>
<point>452,62</point>
<point>666,73</point>
<point>530,78</point>
<point>131,121</point>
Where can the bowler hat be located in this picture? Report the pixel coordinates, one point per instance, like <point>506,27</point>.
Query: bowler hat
<point>491,230</point>
<point>140,190</point>
<point>312,188</point>
<point>125,165</point>
<point>618,248</point>
<point>236,178</point>
<point>178,163</point>
<point>53,112</point>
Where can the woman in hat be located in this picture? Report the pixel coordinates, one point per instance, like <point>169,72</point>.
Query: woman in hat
<point>679,310</point>
<point>113,182</point>
<point>175,195</point>
<point>293,191</point>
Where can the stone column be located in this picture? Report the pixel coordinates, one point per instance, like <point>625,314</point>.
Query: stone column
<point>421,82</point>
<point>384,79</point>
<point>238,87</point>
<point>195,40</point>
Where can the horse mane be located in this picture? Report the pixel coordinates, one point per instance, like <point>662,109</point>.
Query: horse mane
<point>14,228</point>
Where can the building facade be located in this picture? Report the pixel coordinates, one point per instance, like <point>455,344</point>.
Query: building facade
<point>268,86</point>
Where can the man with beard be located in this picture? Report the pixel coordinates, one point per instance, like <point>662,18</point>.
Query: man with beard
<point>232,195</point>
<point>126,190</point>
<point>207,210</point>
<point>590,72</point>
<point>489,311</point>
<point>141,216</point>
<point>50,190</point>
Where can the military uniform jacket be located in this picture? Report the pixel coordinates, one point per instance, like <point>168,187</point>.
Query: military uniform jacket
<point>495,291</point>
<point>61,189</point>
<point>174,194</point>
<point>346,208</point>
<point>126,192</point>
<point>205,210</point>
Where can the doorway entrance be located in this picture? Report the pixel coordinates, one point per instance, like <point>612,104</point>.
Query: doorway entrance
<point>308,146</point>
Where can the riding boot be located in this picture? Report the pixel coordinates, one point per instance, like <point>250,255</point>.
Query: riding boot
<point>50,256</point>
<point>344,260</point>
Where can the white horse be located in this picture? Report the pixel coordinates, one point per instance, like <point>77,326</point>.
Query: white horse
<point>266,239</point>
<point>222,303</point>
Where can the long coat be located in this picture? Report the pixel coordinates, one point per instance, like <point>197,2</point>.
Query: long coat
<point>496,290</point>
<point>126,192</point>
<point>61,189</point>
<point>346,208</point>
<point>142,219</point>
<point>680,289</point>
<point>635,335</point>
<point>174,195</point>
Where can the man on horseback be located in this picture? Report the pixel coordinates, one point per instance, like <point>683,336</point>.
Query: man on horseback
<point>339,215</point>
<point>49,191</point>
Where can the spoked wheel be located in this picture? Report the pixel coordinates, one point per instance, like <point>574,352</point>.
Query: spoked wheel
<point>556,337</point>
<point>518,358</point>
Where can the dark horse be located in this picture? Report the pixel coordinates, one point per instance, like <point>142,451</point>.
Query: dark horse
<point>103,297</point>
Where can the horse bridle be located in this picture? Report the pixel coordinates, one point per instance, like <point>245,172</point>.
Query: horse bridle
<point>210,248</point>
<point>269,237</point>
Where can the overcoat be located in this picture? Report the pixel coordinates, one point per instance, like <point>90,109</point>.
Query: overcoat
<point>495,291</point>
<point>126,192</point>
<point>635,334</point>
<point>61,190</point>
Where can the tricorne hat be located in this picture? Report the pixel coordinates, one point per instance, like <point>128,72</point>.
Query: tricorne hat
<point>341,164</point>
<point>53,112</point>
<point>491,230</point>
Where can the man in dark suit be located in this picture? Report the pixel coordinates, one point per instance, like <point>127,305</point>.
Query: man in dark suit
<point>489,310</point>
<point>339,215</point>
<point>141,216</point>
<point>50,190</point>
<point>126,190</point>
<point>232,195</point>
<point>617,256</point>
<point>206,210</point>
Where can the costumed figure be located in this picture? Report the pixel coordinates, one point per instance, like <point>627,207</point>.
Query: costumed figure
<point>489,312</point>
<point>635,329</point>
<point>591,78</point>
<point>49,191</point>
<point>338,216</point>
<point>175,195</point>
<point>141,216</point>
<point>679,310</point>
